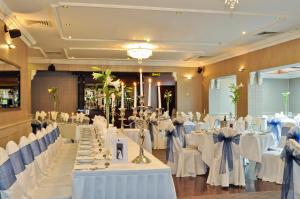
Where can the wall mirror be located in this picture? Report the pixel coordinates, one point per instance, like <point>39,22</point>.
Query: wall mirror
<point>219,96</point>
<point>9,86</point>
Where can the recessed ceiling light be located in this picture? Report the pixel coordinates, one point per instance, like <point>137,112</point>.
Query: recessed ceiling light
<point>72,57</point>
<point>70,37</point>
<point>68,24</point>
<point>244,32</point>
<point>65,6</point>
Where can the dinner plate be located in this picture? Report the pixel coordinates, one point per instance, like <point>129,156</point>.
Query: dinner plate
<point>84,152</point>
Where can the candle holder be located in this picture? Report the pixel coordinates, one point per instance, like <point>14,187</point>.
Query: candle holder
<point>142,123</point>
<point>134,113</point>
<point>113,113</point>
<point>122,119</point>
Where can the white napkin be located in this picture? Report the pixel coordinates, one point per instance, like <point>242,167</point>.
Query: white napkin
<point>37,115</point>
<point>43,114</point>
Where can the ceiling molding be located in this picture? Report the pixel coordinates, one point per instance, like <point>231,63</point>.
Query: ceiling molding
<point>11,19</point>
<point>200,52</point>
<point>64,37</point>
<point>274,40</point>
<point>114,62</point>
<point>165,9</point>
<point>41,50</point>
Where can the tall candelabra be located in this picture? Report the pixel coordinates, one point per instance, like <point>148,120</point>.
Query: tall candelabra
<point>142,122</point>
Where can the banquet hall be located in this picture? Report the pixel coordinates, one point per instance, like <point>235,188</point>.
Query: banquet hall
<point>131,99</point>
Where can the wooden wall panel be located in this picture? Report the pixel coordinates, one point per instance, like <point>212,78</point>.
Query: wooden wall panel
<point>14,123</point>
<point>278,55</point>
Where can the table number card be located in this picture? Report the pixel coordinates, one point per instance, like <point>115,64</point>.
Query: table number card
<point>120,150</point>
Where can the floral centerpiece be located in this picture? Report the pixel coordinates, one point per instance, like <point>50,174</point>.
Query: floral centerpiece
<point>168,97</point>
<point>235,94</point>
<point>54,96</point>
<point>110,86</point>
<point>285,96</point>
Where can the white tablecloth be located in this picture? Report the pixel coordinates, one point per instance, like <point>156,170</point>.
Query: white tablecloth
<point>124,181</point>
<point>68,130</point>
<point>251,146</point>
<point>134,135</point>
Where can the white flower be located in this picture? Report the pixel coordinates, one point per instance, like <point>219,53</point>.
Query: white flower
<point>116,84</point>
<point>109,80</point>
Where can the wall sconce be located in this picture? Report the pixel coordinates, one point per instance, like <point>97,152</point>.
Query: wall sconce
<point>242,68</point>
<point>189,77</point>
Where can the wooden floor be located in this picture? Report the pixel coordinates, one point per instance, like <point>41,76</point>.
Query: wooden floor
<point>195,188</point>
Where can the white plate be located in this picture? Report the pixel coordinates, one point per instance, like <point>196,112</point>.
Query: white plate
<point>84,152</point>
<point>85,160</point>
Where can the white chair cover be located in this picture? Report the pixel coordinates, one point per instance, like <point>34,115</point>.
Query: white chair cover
<point>236,176</point>
<point>198,116</point>
<point>22,174</point>
<point>187,162</point>
<point>10,188</point>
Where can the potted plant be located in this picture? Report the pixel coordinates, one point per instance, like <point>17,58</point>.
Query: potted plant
<point>168,98</point>
<point>110,86</point>
<point>54,96</point>
<point>235,95</point>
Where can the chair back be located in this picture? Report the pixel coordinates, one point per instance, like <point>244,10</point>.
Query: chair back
<point>15,157</point>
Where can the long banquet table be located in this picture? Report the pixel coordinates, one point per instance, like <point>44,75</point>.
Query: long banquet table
<point>123,180</point>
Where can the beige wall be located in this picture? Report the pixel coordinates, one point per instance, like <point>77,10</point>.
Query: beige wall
<point>67,91</point>
<point>188,91</point>
<point>278,55</point>
<point>15,123</point>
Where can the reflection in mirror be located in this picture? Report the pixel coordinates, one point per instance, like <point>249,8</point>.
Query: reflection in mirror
<point>219,101</point>
<point>9,86</point>
<point>274,91</point>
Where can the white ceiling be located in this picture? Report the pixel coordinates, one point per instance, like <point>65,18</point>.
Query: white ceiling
<point>96,31</point>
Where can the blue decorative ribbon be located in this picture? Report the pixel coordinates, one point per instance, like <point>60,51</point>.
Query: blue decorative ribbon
<point>27,154</point>
<point>17,162</point>
<point>57,131</point>
<point>169,151</point>
<point>188,128</point>
<point>294,134</point>
<point>151,126</point>
<point>35,148</point>
<point>180,132</point>
<point>42,144</point>
<point>288,181</point>
<point>275,126</point>
<point>47,139</point>
<point>54,134</point>
<point>227,150</point>
<point>7,175</point>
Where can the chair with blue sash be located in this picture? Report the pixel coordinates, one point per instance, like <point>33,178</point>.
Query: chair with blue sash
<point>37,152</point>
<point>23,175</point>
<point>189,127</point>
<point>272,166</point>
<point>9,187</point>
<point>227,165</point>
<point>291,175</point>
<point>275,126</point>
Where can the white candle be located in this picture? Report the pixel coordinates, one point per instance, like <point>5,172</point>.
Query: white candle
<point>135,96</point>
<point>122,96</point>
<point>159,96</point>
<point>141,83</point>
<point>149,93</point>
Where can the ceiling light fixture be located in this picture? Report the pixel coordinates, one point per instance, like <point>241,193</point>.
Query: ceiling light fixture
<point>231,3</point>
<point>244,32</point>
<point>140,51</point>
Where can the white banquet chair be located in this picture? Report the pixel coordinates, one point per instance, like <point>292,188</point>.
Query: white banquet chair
<point>9,187</point>
<point>272,165</point>
<point>217,176</point>
<point>187,161</point>
<point>22,174</point>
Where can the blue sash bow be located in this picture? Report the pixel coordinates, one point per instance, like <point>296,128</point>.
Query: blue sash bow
<point>180,132</point>
<point>7,175</point>
<point>27,154</point>
<point>35,148</point>
<point>47,139</point>
<point>169,151</point>
<point>288,181</point>
<point>17,162</point>
<point>227,150</point>
<point>275,126</point>
<point>295,135</point>
<point>42,144</point>
<point>217,123</point>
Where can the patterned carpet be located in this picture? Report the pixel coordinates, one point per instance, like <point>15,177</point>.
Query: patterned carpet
<point>250,195</point>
